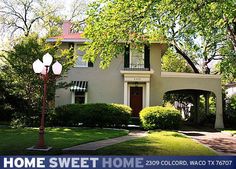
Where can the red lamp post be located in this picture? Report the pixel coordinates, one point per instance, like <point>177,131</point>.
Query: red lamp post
<point>43,69</point>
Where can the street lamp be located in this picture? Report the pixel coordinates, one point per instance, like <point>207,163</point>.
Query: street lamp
<point>43,69</point>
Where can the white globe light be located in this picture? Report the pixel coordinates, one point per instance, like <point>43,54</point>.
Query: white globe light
<point>57,68</point>
<point>44,70</point>
<point>47,59</point>
<point>38,66</point>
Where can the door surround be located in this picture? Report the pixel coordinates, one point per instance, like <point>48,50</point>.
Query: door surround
<point>131,80</point>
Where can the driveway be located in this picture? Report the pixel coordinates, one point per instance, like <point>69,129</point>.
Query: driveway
<point>222,143</point>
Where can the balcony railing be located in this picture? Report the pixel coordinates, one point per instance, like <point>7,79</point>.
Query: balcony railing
<point>137,67</point>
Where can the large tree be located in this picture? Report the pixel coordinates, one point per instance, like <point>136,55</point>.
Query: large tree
<point>194,29</point>
<point>22,17</point>
<point>22,87</point>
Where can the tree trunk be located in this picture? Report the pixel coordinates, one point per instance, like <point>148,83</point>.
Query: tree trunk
<point>185,56</point>
<point>196,97</point>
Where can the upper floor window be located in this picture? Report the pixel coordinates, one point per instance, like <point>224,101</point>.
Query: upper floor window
<point>137,57</point>
<point>80,62</point>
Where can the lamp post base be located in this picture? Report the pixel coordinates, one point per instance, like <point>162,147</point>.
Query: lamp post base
<point>35,148</point>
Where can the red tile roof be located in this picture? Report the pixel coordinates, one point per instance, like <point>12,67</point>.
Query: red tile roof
<point>69,36</point>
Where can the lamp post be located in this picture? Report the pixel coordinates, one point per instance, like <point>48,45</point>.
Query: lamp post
<point>43,69</point>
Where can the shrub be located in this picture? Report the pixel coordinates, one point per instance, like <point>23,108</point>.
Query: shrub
<point>160,118</point>
<point>230,113</point>
<point>91,115</point>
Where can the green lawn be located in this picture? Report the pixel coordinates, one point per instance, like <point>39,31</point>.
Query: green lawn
<point>164,143</point>
<point>15,141</point>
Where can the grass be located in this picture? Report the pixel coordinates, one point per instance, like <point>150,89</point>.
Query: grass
<point>15,141</point>
<point>164,143</point>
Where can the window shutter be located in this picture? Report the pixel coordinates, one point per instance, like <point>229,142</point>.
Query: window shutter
<point>90,64</point>
<point>147,56</point>
<point>126,56</point>
<point>71,45</point>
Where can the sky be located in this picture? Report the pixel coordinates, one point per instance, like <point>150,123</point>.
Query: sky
<point>65,5</point>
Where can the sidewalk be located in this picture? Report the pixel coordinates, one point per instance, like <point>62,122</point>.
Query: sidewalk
<point>104,143</point>
<point>222,143</point>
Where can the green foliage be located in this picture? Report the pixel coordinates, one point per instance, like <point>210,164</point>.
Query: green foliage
<point>172,62</point>
<point>197,30</point>
<point>228,67</point>
<point>112,22</point>
<point>22,88</point>
<point>160,118</point>
<point>230,113</point>
<point>99,114</point>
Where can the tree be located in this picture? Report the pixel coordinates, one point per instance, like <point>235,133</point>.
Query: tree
<point>172,62</point>
<point>22,84</point>
<point>42,16</point>
<point>24,16</point>
<point>192,28</point>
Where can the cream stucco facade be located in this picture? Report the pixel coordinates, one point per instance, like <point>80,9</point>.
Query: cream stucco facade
<point>114,85</point>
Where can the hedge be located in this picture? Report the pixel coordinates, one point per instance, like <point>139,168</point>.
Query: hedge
<point>91,115</point>
<point>158,117</point>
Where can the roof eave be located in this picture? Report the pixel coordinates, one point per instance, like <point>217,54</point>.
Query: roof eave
<point>68,40</point>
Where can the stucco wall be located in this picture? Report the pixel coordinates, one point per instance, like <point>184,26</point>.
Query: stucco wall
<point>104,86</point>
<point>155,62</point>
<point>107,86</point>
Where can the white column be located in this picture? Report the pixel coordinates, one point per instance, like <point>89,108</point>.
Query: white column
<point>125,93</point>
<point>72,97</point>
<point>86,98</point>
<point>219,124</point>
<point>147,94</point>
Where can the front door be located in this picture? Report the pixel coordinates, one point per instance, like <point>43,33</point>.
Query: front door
<point>136,100</point>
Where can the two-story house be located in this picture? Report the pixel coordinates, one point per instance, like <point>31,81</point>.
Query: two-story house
<point>133,79</point>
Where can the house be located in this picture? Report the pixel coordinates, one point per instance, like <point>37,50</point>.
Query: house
<point>230,89</point>
<point>133,79</point>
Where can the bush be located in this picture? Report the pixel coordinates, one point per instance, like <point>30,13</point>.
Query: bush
<point>160,118</point>
<point>230,113</point>
<point>91,115</point>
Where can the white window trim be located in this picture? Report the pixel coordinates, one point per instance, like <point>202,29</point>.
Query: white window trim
<point>76,54</point>
<point>73,97</point>
<point>130,56</point>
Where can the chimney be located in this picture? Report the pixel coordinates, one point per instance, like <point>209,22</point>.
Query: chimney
<point>66,27</point>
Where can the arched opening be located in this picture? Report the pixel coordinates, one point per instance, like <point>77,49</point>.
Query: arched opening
<point>198,107</point>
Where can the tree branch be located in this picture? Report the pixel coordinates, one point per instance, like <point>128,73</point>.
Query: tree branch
<point>185,56</point>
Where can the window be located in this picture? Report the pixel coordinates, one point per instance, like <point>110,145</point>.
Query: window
<point>80,62</point>
<point>79,92</point>
<point>137,57</point>
<point>79,97</point>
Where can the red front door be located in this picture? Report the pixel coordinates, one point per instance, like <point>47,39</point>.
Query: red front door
<point>136,100</point>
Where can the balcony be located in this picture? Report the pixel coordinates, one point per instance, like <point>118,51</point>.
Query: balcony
<point>136,67</point>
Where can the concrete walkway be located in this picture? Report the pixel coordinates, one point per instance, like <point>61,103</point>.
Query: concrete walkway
<point>223,144</point>
<point>104,143</point>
